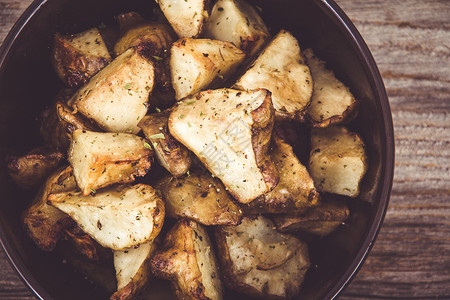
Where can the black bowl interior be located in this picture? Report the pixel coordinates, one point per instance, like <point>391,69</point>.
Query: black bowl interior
<point>28,83</point>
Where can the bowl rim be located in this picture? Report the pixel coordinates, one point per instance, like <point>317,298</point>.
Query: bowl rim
<point>376,82</point>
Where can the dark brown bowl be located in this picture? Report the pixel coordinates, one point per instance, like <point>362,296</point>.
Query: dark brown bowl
<point>28,83</point>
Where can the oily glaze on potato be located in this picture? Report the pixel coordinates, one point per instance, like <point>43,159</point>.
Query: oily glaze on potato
<point>199,197</point>
<point>337,161</point>
<point>187,259</point>
<point>230,132</point>
<point>76,58</point>
<point>43,223</point>
<point>295,191</point>
<point>332,102</point>
<point>100,159</point>
<point>117,218</point>
<point>259,261</point>
<point>320,220</point>
<point>281,69</point>
<point>237,22</point>
<point>199,63</point>
<point>116,97</point>
<point>171,154</point>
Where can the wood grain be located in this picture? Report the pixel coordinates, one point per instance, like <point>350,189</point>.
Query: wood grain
<point>410,41</point>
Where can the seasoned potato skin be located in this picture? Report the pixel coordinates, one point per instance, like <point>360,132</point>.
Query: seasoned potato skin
<point>73,67</point>
<point>29,170</point>
<point>172,155</point>
<point>43,223</point>
<point>204,199</point>
<point>70,121</point>
<point>82,242</point>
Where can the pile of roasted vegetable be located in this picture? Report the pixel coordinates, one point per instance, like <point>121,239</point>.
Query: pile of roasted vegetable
<point>185,117</point>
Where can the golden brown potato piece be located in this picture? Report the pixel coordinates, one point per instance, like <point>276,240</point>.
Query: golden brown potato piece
<point>116,97</point>
<point>199,197</point>
<point>76,58</point>
<point>44,223</point>
<point>117,218</point>
<point>151,40</point>
<point>100,159</point>
<point>82,241</point>
<point>295,192</point>
<point>230,132</point>
<point>320,220</point>
<point>337,161</point>
<point>132,270</point>
<point>259,261</point>
<point>171,154</point>
<point>237,22</point>
<point>31,169</point>
<point>196,64</point>
<point>187,259</point>
<point>332,102</point>
<point>281,69</point>
<point>186,17</point>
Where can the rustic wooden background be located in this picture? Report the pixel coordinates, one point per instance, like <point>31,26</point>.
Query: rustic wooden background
<point>410,40</point>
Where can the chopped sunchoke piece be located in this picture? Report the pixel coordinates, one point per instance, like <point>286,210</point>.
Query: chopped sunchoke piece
<point>259,261</point>
<point>186,17</point>
<point>281,69</point>
<point>320,220</point>
<point>31,169</point>
<point>295,192</point>
<point>132,270</point>
<point>117,218</point>
<point>230,132</point>
<point>199,197</point>
<point>199,63</point>
<point>171,154</point>
<point>332,102</point>
<point>76,58</point>
<point>337,161</point>
<point>116,97</point>
<point>187,259</point>
<point>100,159</point>
<point>44,223</point>
<point>237,22</point>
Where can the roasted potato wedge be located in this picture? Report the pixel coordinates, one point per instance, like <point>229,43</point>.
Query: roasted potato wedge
<point>320,220</point>
<point>76,58</point>
<point>237,22</point>
<point>186,17</point>
<point>132,270</point>
<point>259,261</point>
<point>52,131</point>
<point>199,197</point>
<point>337,161</point>
<point>295,192</point>
<point>117,218</point>
<point>199,63</point>
<point>44,223</point>
<point>187,259</point>
<point>31,169</point>
<point>171,154</point>
<point>116,97</point>
<point>100,159</point>
<point>281,69</point>
<point>230,132</point>
<point>332,102</point>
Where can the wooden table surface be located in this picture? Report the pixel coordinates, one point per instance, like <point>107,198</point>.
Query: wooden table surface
<point>410,40</point>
